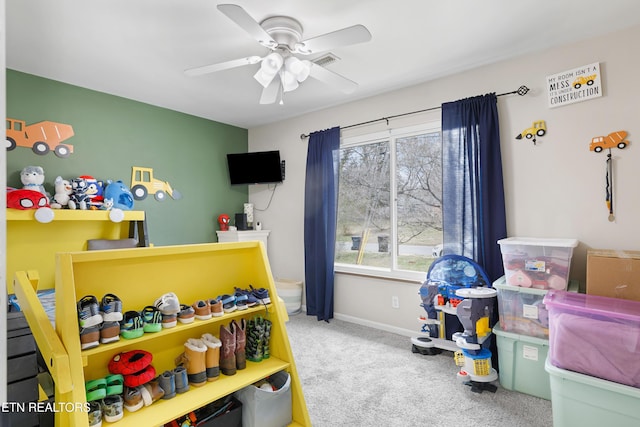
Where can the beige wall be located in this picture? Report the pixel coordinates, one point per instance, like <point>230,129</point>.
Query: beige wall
<point>553,189</point>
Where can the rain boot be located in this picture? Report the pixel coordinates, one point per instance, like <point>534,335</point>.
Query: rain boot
<point>213,356</point>
<point>254,335</point>
<point>241,336</point>
<point>266,337</point>
<point>228,352</point>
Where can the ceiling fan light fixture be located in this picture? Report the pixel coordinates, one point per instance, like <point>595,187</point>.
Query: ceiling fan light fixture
<point>299,69</point>
<point>289,81</point>
<point>272,63</point>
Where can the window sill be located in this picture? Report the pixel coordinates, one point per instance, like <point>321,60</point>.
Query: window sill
<point>380,273</point>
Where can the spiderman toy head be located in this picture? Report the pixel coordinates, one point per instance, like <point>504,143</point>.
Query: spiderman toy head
<point>223,220</point>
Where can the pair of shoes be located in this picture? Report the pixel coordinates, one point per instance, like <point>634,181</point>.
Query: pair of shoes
<point>103,387</point>
<point>193,360</point>
<point>261,294</point>
<point>232,355</point>
<point>250,299</point>
<point>202,310</point>
<point>169,306</point>
<point>109,408</point>
<point>132,325</point>
<point>99,323</point>
<point>258,337</point>
<point>152,319</point>
<point>135,367</point>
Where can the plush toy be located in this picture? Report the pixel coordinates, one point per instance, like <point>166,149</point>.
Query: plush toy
<point>119,195</point>
<point>79,198</point>
<point>32,178</point>
<point>95,190</point>
<point>63,193</point>
<point>30,199</point>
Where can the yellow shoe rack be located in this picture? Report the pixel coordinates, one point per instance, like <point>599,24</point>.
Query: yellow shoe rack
<point>138,276</point>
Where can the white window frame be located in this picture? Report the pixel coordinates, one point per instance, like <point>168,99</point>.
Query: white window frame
<point>390,136</point>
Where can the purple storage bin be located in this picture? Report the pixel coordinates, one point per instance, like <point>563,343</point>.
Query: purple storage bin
<point>594,335</point>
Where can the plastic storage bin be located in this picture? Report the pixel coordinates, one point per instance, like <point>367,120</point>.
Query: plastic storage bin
<point>265,408</point>
<point>594,335</point>
<point>521,310</point>
<point>537,263</point>
<point>581,400</point>
<point>521,361</point>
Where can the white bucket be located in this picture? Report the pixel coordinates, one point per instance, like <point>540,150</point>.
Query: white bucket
<point>291,293</point>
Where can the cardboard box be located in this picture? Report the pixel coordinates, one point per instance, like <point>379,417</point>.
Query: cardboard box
<point>613,274</point>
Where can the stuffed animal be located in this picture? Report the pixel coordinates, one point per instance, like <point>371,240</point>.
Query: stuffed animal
<point>95,190</point>
<point>32,178</point>
<point>79,198</point>
<point>30,199</point>
<point>120,195</point>
<point>63,193</point>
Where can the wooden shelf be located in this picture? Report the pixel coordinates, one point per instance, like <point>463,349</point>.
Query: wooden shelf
<point>139,276</point>
<point>72,215</point>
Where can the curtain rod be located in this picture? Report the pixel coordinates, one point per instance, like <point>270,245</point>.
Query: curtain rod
<point>522,90</point>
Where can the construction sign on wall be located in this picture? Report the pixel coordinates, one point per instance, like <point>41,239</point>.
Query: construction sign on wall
<point>579,84</point>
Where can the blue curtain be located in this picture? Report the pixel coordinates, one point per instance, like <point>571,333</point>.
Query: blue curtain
<point>320,202</point>
<point>473,210</point>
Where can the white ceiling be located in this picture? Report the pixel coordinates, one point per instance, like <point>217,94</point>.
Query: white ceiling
<point>139,49</point>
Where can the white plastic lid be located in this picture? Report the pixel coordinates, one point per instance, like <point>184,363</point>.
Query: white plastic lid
<point>538,241</point>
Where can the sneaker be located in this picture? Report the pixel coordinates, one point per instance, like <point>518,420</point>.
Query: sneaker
<point>109,332</point>
<point>241,300</point>
<point>111,308</point>
<point>95,414</point>
<point>169,320</point>
<point>202,310</point>
<point>181,379</point>
<point>251,299</point>
<point>228,303</point>
<point>132,399</point>
<point>89,337</point>
<point>151,392</point>
<point>168,303</point>
<point>89,312</point>
<point>112,408</point>
<point>187,314</point>
<point>216,307</point>
<point>152,319</point>
<point>132,325</point>
<point>261,294</point>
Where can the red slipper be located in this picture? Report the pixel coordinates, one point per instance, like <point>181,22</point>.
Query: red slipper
<point>141,377</point>
<point>130,362</point>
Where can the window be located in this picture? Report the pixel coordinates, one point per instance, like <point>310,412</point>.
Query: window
<point>389,202</point>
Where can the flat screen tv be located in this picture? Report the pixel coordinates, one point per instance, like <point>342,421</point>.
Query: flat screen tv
<point>261,167</point>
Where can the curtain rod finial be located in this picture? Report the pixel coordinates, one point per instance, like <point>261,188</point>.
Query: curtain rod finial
<point>522,90</point>
<point>303,136</point>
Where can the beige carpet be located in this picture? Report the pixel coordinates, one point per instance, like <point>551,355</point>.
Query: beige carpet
<point>354,376</point>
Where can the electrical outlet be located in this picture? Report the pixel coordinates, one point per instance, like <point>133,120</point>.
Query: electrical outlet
<point>395,302</point>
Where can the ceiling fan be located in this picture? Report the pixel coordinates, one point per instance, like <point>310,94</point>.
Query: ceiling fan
<point>281,70</point>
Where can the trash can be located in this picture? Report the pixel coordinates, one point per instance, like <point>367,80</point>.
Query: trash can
<point>355,243</point>
<point>383,243</point>
<point>291,293</point>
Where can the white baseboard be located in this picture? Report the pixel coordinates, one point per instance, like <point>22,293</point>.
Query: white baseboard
<point>371,324</point>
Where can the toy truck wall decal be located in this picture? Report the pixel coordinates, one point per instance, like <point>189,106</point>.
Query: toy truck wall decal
<point>613,140</point>
<point>41,137</point>
<point>143,183</point>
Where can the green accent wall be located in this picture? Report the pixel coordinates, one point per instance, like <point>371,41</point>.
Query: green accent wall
<point>112,134</point>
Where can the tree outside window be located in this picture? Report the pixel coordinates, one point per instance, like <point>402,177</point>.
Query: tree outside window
<point>389,201</point>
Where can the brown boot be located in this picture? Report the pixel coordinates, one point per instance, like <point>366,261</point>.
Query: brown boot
<point>241,338</point>
<point>213,356</point>
<point>228,352</point>
<point>194,360</point>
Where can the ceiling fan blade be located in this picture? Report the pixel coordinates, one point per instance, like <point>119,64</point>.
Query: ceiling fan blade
<point>271,92</point>
<point>330,78</point>
<point>238,15</point>
<point>222,66</point>
<point>347,36</point>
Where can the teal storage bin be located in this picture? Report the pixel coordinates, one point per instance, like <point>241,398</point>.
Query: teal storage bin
<point>521,361</point>
<point>585,401</point>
